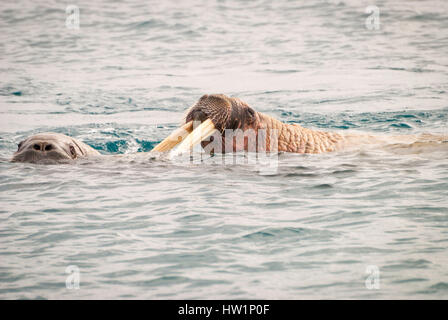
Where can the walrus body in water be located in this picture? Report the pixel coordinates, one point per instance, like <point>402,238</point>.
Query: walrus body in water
<point>246,129</point>
<point>222,124</point>
<point>229,124</point>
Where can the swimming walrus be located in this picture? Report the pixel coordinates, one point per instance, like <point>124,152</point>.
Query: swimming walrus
<point>246,129</point>
<point>228,124</point>
<point>49,147</point>
<point>221,124</point>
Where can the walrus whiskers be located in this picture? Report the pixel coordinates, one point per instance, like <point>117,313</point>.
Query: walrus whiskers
<point>202,132</point>
<point>174,138</point>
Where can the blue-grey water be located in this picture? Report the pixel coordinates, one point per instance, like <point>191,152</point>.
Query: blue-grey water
<point>153,228</point>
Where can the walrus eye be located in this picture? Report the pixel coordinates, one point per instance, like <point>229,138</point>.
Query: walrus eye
<point>251,114</point>
<point>73,151</point>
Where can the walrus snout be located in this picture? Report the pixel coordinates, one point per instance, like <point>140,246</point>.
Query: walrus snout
<point>41,151</point>
<point>216,107</point>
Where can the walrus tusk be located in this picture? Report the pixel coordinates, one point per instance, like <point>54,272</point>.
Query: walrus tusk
<point>174,138</point>
<point>203,131</point>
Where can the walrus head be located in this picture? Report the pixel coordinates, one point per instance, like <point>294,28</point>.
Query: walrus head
<point>228,115</point>
<point>230,120</point>
<point>225,112</point>
<point>50,147</point>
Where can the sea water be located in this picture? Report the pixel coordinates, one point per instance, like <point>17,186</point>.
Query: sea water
<point>366,223</point>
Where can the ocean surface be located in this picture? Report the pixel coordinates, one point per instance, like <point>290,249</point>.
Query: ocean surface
<point>369,223</point>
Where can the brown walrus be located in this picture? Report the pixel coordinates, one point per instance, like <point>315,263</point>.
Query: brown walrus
<point>235,126</point>
<point>222,124</point>
<point>232,114</point>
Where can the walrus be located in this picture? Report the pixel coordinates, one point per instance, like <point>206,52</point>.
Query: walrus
<point>51,147</point>
<point>228,124</point>
<point>233,119</point>
<point>221,124</point>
